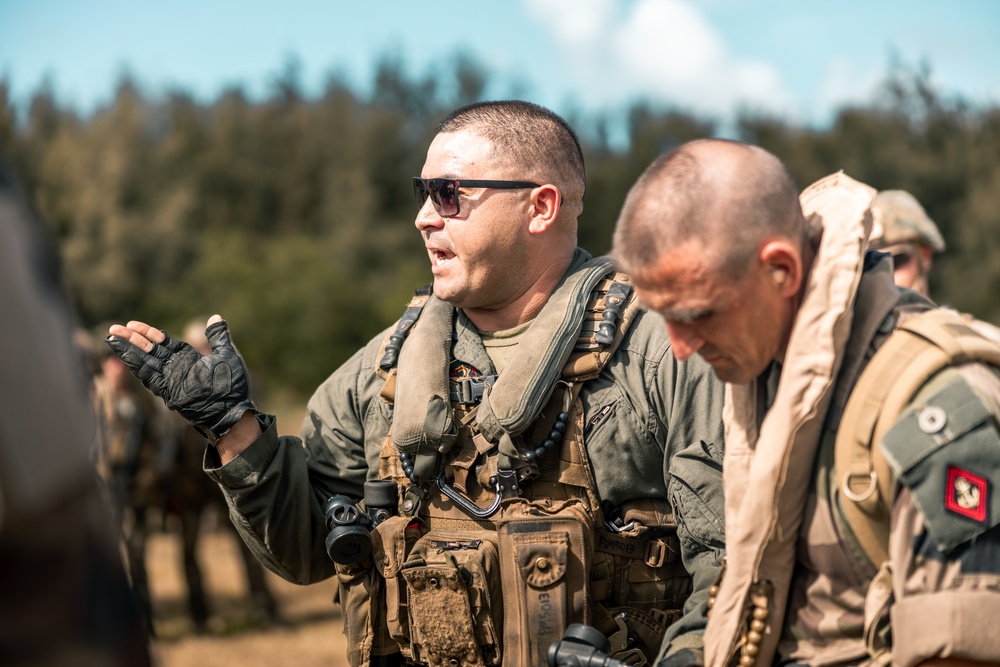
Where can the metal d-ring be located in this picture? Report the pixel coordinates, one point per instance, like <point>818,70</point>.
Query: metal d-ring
<point>464,503</point>
<point>864,495</point>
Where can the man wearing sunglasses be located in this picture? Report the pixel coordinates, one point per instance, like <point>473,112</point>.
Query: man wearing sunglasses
<point>529,452</point>
<point>902,228</point>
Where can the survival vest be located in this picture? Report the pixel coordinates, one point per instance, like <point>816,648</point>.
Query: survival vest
<point>500,541</point>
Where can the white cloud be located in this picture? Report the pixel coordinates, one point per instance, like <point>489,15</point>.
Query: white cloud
<point>844,82</point>
<point>661,50</point>
<point>575,22</point>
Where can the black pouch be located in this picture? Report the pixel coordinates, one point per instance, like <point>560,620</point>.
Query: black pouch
<point>455,600</point>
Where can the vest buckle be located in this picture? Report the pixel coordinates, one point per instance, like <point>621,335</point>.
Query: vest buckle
<point>470,390</point>
<point>656,553</point>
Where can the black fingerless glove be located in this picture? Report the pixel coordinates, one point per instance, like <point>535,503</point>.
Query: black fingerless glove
<point>211,391</point>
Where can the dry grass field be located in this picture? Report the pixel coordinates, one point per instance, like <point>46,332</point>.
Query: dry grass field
<point>310,633</point>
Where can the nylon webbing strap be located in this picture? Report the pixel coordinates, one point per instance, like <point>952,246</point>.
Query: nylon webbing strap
<point>515,400</point>
<point>390,355</point>
<point>654,552</point>
<point>920,347</point>
<point>587,363</point>
<point>878,599</point>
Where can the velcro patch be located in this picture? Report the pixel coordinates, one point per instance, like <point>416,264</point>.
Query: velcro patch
<point>946,450</point>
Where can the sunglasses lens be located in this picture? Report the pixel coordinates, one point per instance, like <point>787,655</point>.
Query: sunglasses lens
<point>444,195</point>
<point>901,259</point>
<point>419,191</point>
<point>448,197</point>
<point>442,191</point>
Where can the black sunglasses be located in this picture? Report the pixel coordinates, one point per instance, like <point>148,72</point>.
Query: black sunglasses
<point>901,258</point>
<point>444,191</point>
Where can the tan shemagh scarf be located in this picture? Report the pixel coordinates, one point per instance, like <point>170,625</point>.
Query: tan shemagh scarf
<point>766,475</point>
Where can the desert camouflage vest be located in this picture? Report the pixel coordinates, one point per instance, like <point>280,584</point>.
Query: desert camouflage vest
<point>920,347</point>
<point>504,543</point>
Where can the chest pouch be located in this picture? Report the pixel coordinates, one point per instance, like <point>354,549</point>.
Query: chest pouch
<point>454,598</point>
<point>374,607</point>
<point>546,550</point>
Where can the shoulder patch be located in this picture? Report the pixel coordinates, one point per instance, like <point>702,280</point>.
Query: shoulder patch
<point>946,449</point>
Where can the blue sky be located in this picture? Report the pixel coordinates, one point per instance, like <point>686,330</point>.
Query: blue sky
<point>798,59</point>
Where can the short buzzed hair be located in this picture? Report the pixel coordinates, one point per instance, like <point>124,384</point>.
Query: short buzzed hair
<point>727,195</point>
<point>539,143</point>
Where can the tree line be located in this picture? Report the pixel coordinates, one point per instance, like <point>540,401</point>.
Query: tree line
<point>292,215</point>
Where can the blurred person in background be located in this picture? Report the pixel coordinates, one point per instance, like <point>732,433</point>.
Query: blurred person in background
<point>133,453</point>
<point>64,594</point>
<point>150,461</point>
<point>511,442</point>
<point>902,228</point>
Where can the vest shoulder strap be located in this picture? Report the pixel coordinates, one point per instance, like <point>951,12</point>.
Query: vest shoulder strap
<point>921,346</point>
<point>611,309</point>
<point>388,353</point>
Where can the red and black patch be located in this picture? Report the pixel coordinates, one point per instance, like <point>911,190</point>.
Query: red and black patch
<point>966,494</point>
<point>460,369</point>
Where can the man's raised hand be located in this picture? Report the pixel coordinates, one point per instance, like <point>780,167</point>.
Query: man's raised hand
<point>211,390</point>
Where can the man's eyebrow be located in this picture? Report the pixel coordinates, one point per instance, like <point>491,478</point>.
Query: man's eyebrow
<point>685,315</point>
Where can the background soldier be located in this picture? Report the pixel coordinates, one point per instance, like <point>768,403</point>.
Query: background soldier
<point>135,451</point>
<point>525,421</point>
<point>828,406</point>
<point>150,461</point>
<point>902,228</point>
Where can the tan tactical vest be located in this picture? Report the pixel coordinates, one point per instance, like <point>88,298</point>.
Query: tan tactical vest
<point>511,546</point>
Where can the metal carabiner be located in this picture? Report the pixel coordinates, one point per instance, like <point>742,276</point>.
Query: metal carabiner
<point>464,503</point>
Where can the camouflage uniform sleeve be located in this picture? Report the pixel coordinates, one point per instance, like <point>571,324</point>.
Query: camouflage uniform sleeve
<point>944,543</point>
<point>278,487</point>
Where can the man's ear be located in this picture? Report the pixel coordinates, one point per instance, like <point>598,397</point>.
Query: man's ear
<point>925,256</point>
<point>783,262</point>
<point>545,204</point>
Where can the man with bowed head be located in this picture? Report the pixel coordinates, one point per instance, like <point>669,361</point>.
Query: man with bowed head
<point>515,436</point>
<point>826,549</point>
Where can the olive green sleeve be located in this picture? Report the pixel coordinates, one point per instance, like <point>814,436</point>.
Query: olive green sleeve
<point>278,487</point>
<point>945,528</point>
<point>692,418</point>
<point>695,492</point>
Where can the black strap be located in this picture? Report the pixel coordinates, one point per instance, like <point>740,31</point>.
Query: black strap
<point>395,344</point>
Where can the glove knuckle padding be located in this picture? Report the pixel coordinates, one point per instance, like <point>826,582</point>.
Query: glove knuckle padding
<point>172,344</point>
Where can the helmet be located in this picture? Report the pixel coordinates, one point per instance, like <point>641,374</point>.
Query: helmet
<point>897,217</point>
